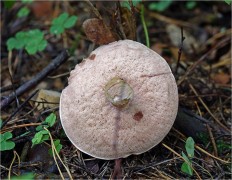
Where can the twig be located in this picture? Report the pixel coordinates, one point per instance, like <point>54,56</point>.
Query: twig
<point>20,126</point>
<point>170,149</point>
<point>193,66</point>
<point>60,59</point>
<point>95,11</point>
<point>55,153</point>
<point>8,88</point>
<point>119,21</point>
<point>212,140</point>
<point>15,154</point>
<point>18,109</point>
<point>144,26</point>
<point>199,148</point>
<point>205,106</point>
<point>205,152</point>
<point>180,50</point>
<point>170,20</point>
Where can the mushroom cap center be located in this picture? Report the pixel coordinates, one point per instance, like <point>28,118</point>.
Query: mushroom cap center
<point>118,92</point>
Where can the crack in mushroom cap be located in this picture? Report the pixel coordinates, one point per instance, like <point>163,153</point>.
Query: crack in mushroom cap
<point>89,119</point>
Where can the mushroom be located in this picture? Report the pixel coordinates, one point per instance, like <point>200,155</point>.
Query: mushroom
<point>121,100</point>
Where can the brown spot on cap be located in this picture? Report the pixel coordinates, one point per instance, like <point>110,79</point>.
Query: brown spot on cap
<point>92,56</point>
<point>138,116</point>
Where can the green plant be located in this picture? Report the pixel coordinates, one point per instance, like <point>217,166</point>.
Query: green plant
<point>187,165</point>
<point>32,40</point>
<point>27,1</point>
<point>160,6</point>
<point>24,11</point>
<point>203,137</point>
<point>27,176</point>
<point>62,22</point>
<point>57,145</point>
<point>144,26</point>
<point>8,4</point>
<point>5,142</point>
<point>190,4</point>
<point>42,134</point>
<point>222,146</point>
<point>40,137</point>
<point>228,1</point>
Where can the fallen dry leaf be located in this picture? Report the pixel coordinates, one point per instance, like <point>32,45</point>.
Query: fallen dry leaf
<point>221,78</point>
<point>42,9</point>
<point>98,32</point>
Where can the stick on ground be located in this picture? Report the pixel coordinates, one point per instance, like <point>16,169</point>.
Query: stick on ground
<point>60,59</point>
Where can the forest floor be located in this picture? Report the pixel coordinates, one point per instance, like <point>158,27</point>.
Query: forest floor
<point>194,37</point>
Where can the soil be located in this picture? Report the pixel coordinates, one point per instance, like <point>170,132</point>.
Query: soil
<point>195,41</point>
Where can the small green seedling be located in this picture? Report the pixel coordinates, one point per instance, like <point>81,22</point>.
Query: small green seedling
<point>187,165</point>
<point>23,12</point>
<point>42,134</point>
<point>33,41</point>
<point>40,137</point>
<point>49,122</point>
<point>27,176</point>
<point>62,22</point>
<point>160,6</point>
<point>5,142</point>
<point>57,145</point>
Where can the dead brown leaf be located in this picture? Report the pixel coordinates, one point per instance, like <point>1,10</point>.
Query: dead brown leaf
<point>98,32</point>
<point>42,9</point>
<point>221,78</point>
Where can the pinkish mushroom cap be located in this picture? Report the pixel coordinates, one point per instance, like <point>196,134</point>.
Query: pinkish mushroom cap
<point>121,100</point>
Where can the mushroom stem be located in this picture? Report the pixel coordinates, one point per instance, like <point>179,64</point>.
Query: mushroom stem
<point>117,174</point>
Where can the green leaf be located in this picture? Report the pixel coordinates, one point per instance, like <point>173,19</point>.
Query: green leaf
<point>186,169</point>
<point>228,1</point>
<point>51,119</point>
<point>56,29</point>
<point>70,22</point>
<point>160,6</point>
<point>62,22</point>
<point>60,19</point>
<point>31,49</point>
<point>189,146</point>
<point>33,41</point>
<point>5,142</point>
<point>24,11</point>
<point>191,4</point>
<point>186,166</point>
<point>42,45</point>
<point>41,127</point>
<point>9,4</point>
<point>40,137</point>
<point>27,1</point>
<point>11,43</point>
<point>28,176</point>
<point>57,145</point>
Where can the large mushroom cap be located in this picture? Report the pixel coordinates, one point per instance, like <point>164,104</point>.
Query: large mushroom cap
<point>101,124</point>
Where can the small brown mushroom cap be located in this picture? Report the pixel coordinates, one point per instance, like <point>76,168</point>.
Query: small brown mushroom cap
<point>101,129</point>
